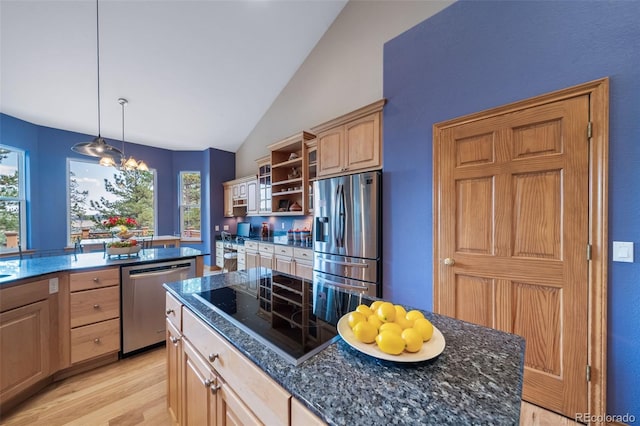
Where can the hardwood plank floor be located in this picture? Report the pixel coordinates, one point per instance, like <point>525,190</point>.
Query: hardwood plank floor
<point>133,392</point>
<point>129,392</point>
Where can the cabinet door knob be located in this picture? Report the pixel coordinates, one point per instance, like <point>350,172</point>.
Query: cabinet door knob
<point>214,388</point>
<point>208,382</point>
<point>96,306</point>
<point>96,340</point>
<point>449,261</point>
<point>213,357</point>
<point>170,311</point>
<point>96,279</point>
<point>174,340</point>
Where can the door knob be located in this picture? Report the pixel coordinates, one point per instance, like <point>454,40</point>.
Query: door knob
<point>449,261</point>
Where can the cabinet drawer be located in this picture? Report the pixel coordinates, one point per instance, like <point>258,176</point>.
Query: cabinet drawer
<point>283,251</point>
<point>267,399</point>
<point>96,305</point>
<point>265,248</point>
<point>173,311</point>
<point>241,249</point>
<point>251,245</point>
<point>94,279</point>
<point>303,254</point>
<point>94,340</point>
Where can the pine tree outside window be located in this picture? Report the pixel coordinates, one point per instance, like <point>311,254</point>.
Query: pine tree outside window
<point>13,220</point>
<point>190,205</point>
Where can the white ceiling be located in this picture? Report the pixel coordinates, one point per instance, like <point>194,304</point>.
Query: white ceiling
<point>197,74</point>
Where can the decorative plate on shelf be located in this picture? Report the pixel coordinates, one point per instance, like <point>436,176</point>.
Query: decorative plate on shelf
<point>429,350</point>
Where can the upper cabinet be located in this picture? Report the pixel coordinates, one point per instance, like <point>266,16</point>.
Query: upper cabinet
<point>264,185</point>
<point>290,175</point>
<point>237,195</point>
<point>350,143</point>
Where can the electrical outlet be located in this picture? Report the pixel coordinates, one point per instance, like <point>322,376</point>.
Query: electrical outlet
<point>217,227</point>
<point>282,225</point>
<point>53,285</point>
<point>225,227</point>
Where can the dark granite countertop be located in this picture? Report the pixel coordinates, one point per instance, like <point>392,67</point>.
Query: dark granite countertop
<point>18,269</point>
<point>476,380</point>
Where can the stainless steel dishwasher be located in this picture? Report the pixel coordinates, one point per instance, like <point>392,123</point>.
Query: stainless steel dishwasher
<point>143,301</point>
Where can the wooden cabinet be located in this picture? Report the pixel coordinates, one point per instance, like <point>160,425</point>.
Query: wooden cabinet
<point>228,199</point>
<point>214,370</point>
<point>303,263</point>
<point>264,185</point>
<point>266,255</point>
<point>350,143</point>
<point>251,255</point>
<point>174,356</point>
<point>220,254</point>
<point>289,175</point>
<point>25,346</point>
<point>242,258</point>
<point>300,415</point>
<point>312,171</point>
<point>252,198</point>
<point>94,313</point>
<point>283,259</point>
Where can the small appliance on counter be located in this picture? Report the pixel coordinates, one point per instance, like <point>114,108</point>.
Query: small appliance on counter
<point>347,232</point>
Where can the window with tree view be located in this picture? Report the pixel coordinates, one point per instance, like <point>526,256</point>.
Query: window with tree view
<point>190,205</point>
<point>12,200</point>
<point>98,193</point>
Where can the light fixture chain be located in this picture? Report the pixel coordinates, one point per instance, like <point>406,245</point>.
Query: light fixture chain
<point>98,59</point>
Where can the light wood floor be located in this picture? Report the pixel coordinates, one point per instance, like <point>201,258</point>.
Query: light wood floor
<point>133,392</point>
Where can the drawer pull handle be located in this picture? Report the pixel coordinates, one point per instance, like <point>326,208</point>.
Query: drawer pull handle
<point>170,311</point>
<point>96,340</point>
<point>213,357</point>
<point>96,306</point>
<point>96,279</point>
<point>174,340</point>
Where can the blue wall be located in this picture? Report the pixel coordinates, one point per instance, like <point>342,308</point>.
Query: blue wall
<point>47,152</point>
<point>478,55</point>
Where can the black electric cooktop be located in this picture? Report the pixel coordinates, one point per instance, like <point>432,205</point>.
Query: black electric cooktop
<point>284,312</point>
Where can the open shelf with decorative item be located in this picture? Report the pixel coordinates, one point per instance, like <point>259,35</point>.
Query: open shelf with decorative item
<point>312,171</point>
<point>289,181</point>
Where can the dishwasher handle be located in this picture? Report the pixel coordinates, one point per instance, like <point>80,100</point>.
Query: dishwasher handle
<point>157,273</point>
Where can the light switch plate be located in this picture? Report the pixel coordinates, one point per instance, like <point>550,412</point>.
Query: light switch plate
<point>225,227</point>
<point>623,251</point>
<point>217,227</point>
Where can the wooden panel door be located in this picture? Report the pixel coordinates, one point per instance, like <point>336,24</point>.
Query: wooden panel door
<point>174,364</point>
<point>330,151</point>
<point>199,398</point>
<point>513,224</point>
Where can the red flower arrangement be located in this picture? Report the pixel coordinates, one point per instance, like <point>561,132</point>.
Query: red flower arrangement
<point>114,221</point>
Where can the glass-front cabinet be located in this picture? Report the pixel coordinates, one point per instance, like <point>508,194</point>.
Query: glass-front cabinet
<point>312,171</point>
<point>264,185</point>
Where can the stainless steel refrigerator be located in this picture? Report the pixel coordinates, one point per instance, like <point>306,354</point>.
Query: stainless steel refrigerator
<point>346,232</point>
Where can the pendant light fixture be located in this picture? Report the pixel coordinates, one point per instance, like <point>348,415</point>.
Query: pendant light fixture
<point>130,163</point>
<point>99,147</point>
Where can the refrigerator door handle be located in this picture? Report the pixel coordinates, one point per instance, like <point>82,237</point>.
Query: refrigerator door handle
<point>343,216</point>
<point>337,284</point>
<point>336,213</point>
<point>353,265</point>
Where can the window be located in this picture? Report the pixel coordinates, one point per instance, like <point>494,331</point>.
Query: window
<point>12,199</point>
<point>189,183</point>
<point>96,193</point>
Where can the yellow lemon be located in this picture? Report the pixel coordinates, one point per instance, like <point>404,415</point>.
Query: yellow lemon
<point>391,326</point>
<point>400,311</point>
<point>374,306</point>
<point>414,315</point>
<point>365,332</point>
<point>390,343</point>
<point>403,322</point>
<point>354,318</point>
<point>424,327</point>
<point>386,312</point>
<point>364,310</point>
<point>375,321</point>
<point>412,339</point>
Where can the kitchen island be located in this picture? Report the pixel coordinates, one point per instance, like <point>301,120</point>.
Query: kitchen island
<point>476,380</point>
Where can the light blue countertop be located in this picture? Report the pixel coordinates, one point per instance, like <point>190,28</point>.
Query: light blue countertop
<point>19,269</point>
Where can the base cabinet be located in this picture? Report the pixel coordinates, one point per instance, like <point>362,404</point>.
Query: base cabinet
<point>218,385</point>
<point>24,344</point>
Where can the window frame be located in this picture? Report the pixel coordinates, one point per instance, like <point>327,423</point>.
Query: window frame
<point>70,242</point>
<point>182,207</point>
<point>21,199</point>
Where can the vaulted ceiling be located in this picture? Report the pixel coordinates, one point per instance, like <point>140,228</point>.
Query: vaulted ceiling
<point>197,74</point>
